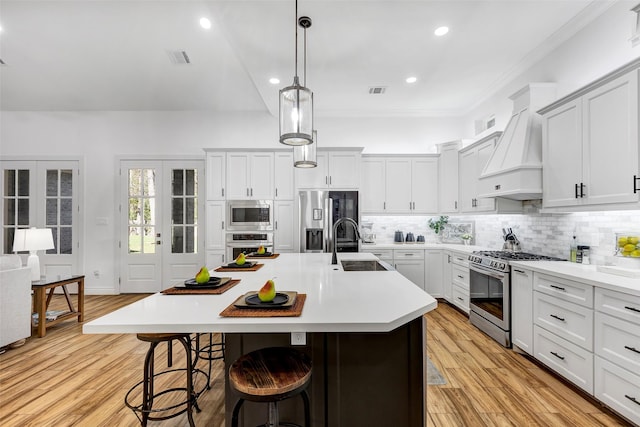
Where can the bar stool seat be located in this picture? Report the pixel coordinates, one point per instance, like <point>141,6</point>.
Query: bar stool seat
<point>271,375</point>
<point>145,411</point>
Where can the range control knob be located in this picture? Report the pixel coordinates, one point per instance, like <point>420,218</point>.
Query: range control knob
<point>502,266</point>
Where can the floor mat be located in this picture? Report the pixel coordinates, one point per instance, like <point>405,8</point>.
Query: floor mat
<point>434,377</point>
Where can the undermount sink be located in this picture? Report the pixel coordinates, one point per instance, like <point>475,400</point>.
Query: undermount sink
<point>360,265</point>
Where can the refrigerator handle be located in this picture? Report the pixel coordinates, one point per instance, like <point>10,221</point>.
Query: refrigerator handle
<point>328,225</point>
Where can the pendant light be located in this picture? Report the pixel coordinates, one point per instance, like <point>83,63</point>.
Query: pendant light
<point>304,156</point>
<point>296,101</point>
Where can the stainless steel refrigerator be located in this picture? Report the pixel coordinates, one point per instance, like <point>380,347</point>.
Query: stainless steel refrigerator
<point>319,210</point>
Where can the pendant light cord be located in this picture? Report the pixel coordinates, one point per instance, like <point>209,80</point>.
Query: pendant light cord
<point>296,24</point>
<point>304,79</point>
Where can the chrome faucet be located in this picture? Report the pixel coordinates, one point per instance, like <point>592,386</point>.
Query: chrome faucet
<point>334,258</point>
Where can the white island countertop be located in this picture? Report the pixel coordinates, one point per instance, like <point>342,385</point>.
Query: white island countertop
<point>337,301</point>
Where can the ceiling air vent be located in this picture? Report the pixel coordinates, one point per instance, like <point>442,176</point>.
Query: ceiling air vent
<point>377,90</point>
<point>179,57</point>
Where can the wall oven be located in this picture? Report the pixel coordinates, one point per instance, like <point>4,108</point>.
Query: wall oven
<point>247,242</point>
<point>249,215</point>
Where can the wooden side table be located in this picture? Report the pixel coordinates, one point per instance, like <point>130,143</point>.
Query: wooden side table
<point>40,303</point>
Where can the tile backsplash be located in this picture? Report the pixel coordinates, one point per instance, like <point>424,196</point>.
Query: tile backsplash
<point>541,233</point>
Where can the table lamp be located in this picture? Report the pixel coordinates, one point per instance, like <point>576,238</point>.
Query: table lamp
<point>33,240</point>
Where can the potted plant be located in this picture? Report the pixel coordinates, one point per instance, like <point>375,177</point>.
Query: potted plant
<point>466,238</point>
<point>437,225</point>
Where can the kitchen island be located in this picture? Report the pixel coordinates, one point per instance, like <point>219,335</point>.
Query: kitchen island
<point>364,331</point>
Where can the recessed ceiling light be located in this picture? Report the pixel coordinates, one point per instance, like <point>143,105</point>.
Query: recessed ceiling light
<point>411,79</point>
<point>274,81</point>
<point>205,23</point>
<point>441,31</point>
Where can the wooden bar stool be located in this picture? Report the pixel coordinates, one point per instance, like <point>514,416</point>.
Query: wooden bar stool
<point>145,411</point>
<point>271,375</point>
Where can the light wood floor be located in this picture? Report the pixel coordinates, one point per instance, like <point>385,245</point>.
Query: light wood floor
<point>71,379</point>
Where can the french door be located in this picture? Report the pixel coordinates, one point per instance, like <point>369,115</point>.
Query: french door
<point>161,235</point>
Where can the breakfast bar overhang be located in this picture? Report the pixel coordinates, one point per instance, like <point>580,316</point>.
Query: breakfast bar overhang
<point>364,331</point>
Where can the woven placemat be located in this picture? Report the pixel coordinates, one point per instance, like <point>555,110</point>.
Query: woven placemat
<point>294,311</point>
<point>194,291</point>
<point>272,256</point>
<point>222,269</point>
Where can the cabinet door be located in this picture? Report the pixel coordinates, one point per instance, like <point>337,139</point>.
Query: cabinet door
<point>467,180</point>
<point>483,154</point>
<point>446,276</point>
<point>261,176</point>
<point>284,227</point>
<point>237,176</point>
<point>398,185</point>
<point>317,177</point>
<point>215,173</point>
<point>412,270</point>
<point>283,176</point>
<point>522,309</point>
<point>214,259</point>
<point>215,227</point>
<point>562,154</point>
<point>448,180</point>
<point>344,170</point>
<point>372,194</point>
<point>424,185</point>
<point>610,141</point>
<point>433,273</point>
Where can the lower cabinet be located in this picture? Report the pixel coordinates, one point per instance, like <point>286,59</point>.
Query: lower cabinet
<point>433,272</point>
<point>460,281</point>
<point>214,259</point>
<point>284,235</point>
<point>410,263</point>
<point>618,388</point>
<point>522,309</point>
<point>447,286</point>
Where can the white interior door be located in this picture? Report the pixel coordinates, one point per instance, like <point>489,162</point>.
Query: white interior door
<point>161,240</point>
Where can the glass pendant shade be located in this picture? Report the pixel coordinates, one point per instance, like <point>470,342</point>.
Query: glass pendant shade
<point>296,115</point>
<point>304,156</point>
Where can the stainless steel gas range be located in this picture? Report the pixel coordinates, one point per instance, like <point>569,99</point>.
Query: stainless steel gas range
<point>490,290</point>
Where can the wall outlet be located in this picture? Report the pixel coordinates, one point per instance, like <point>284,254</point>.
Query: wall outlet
<point>298,338</point>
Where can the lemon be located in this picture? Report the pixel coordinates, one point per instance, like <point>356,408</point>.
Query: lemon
<point>633,240</point>
<point>622,241</point>
<point>636,253</point>
<point>625,253</point>
<point>628,247</point>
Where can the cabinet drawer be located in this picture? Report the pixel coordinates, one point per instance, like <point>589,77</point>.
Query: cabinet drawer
<point>460,259</point>
<point>572,362</point>
<point>460,298</point>
<point>569,321</point>
<point>383,254</point>
<point>618,388</point>
<point>460,276</point>
<point>564,289</point>
<point>618,304</point>
<point>407,254</point>
<point>617,341</point>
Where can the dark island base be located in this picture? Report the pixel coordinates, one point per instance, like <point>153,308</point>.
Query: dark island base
<point>359,379</point>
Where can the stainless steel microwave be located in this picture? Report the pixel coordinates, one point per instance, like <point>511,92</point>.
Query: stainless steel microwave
<point>249,215</point>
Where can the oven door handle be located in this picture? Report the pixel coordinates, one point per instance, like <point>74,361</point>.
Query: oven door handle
<point>490,273</point>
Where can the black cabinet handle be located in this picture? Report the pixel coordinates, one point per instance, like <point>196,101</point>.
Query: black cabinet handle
<point>557,355</point>
<point>582,190</point>
<point>632,309</point>
<point>461,277</point>
<point>560,288</point>
<point>461,299</point>
<point>576,190</point>
<point>557,317</point>
<point>632,349</point>
<point>633,399</point>
<point>635,187</point>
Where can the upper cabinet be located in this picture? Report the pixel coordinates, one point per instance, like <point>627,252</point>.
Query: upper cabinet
<point>448,177</point>
<point>215,173</point>
<point>283,175</point>
<point>399,185</point>
<point>471,162</point>
<point>250,175</point>
<point>336,169</point>
<point>590,144</point>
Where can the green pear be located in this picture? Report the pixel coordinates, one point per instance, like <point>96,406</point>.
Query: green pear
<point>203,276</point>
<point>268,291</point>
<point>241,259</point>
<point>261,250</point>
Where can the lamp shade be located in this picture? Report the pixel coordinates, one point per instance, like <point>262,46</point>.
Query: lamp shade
<point>32,239</point>
<point>304,156</point>
<point>296,115</point>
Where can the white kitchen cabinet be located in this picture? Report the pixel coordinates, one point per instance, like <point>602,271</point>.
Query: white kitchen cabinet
<point>433,272</point>
<point>336,169</point>
<point>471,162</point>
<point>564,289</point>
<point>569,321</point>
<point>590,144</point>
<point>400,184</point>
<point>284,227</point>
<point>215,226</point>
<point>216,175</point>
<point>460,281</point>
<point>382,254</point>
<point>618,388</point>
<point>283,176</point>
<point>448,177</point>
<point>522,309</point>
<point>447,286</point>
<point>410,263</point>
<point>250,176</point>
<point>214,259</point>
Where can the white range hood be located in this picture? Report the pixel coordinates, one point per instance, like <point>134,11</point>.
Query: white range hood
<point>514,170</point>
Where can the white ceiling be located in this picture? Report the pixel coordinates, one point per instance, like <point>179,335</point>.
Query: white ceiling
<point>113,55</point>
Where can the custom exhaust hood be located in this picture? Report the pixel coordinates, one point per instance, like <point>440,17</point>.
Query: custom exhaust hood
<point>514,170</point>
